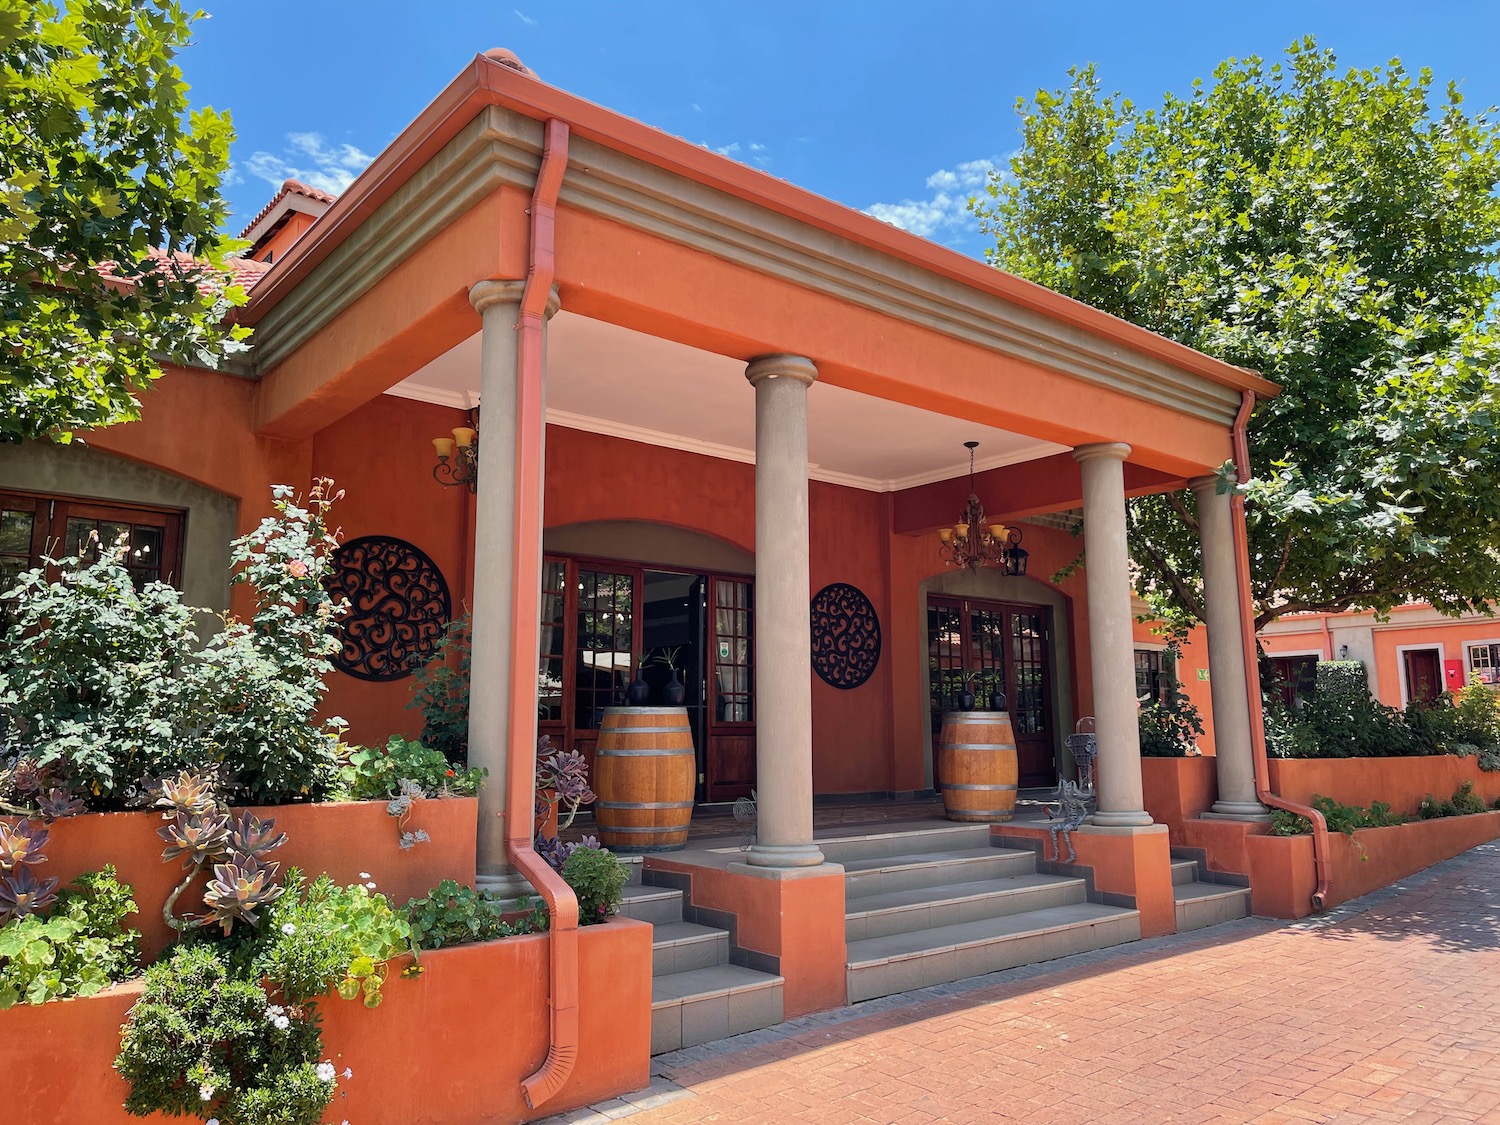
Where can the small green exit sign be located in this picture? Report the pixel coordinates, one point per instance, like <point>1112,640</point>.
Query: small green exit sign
<point>1203,673</point>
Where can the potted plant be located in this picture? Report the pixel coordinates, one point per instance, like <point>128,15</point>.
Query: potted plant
<point>674,691</point>
<point>562,787</point>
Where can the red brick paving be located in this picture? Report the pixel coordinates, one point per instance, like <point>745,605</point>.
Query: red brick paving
<point>1389,1011</point>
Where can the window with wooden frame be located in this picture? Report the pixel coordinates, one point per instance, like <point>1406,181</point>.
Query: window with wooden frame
<point>1484,663</point>
<point>34,527</point>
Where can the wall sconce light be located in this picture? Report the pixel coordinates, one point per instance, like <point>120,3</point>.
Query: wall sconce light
<point>458,456</point>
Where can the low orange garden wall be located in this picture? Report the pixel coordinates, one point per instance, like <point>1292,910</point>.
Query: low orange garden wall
<point>1282,878</point>
<point>343,839</point>
<point>1178,789</point>
<point>448,1047</point>
<point>1400,782</point>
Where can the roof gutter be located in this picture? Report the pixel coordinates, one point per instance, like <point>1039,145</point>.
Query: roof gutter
<point>562,904</point>
<point>1252,664</point>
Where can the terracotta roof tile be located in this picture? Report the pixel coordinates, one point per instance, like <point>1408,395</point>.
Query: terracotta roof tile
<point>289,187</point>
<point>246,271</point>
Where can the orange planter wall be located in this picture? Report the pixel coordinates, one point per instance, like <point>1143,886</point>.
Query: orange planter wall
<point>1399,782</point>
<point>340,839</point>
<point>1281,867</point>
<point>449,1047</point>
<point>1178,789</point>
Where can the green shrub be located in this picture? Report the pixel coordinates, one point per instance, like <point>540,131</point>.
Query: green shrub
<point>377,774</point>
<point>1171,726</point>
<point>451,914</point>
<point>1340,720</point>
<point>598,879</point>
<point>323,936</point>
<point>80,948</point>
<point>1464,802</point>
<point>203,1041</point>
<point>1345,819</point>
<point>109,686</point>
<point>441,692</point>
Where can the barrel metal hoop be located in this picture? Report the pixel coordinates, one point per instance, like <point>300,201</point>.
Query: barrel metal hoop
<point>612,753</point>
<point>641,829</point>
<point>976,746</point>
<point>1002,788</point>
<point>642,730</point>
<point>643,804</point>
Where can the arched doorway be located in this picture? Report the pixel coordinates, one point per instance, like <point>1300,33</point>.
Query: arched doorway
<point>1007,632</point>
<point>624,596</point>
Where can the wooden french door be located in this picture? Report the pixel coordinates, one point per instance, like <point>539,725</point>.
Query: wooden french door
<point>1424,674</point>
<point>996,646</point>
<point>602,619</point>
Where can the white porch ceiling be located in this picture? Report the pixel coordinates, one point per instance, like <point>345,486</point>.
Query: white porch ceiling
<point>611,380</point>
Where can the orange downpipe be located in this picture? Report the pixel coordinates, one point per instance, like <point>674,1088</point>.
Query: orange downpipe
<point>562,905</point>
<point>1252,664</point>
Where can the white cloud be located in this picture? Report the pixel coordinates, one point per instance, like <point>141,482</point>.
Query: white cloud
<point>311,158</point>
<point>759,153</point>
<point>524,18</point>
<point>946,207</point>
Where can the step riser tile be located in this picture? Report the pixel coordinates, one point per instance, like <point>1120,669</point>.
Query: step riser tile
<point>907,919</point>
<point>940,967</point>
<point>683,956</point>
<point>655,911</point>
<point>705,1020</point>
<point>926,875</point>
<point>1201,913</point>
<point>755,1009</point>
<point>883,847</point>
<point>1184,873</point>
<point>666,1029</point>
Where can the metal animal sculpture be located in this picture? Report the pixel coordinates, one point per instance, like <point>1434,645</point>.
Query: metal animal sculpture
<point>1072,807</point>
<point>745,812</point>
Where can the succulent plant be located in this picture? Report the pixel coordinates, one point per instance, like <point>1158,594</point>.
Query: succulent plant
<point>253,838</point>
<point>238,889</point>
<point>58,803</point>
<point>26,777</point>
<point>22,893</point>
<point>196,837</point>
<point>21,844</point>
<point>188,792</point>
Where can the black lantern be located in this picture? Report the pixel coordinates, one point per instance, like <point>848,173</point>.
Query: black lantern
<point>1015,554</point>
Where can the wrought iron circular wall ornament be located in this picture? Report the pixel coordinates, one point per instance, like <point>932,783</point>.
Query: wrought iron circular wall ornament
<point>398,607</point>
<point>845,635</point>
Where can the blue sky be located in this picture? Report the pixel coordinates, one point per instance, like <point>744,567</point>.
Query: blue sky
<point>893,107</point>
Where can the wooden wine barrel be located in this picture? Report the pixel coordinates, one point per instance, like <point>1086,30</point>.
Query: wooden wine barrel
<point>977,765</point>
<point>644,768</point>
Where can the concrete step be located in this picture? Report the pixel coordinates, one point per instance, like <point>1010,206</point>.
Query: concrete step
<point>922,908</point>
<point>633,868</point>
<point>881,845</point>
<point>651,904</point>
<point>881,875</point>
<point>894,963</point>
<point>677,947</point>
<point>1184,871</point>
<point>702,1005</point>
<point>1208,904</point>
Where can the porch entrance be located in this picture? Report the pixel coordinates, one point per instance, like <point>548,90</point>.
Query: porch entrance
<point>604,619</point>
<point>996,645</point>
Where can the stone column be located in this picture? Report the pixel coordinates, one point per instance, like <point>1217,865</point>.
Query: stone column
<point>1234,758</point>
<point>490,731</point>
<point>1111,639</point>
<point>783,661</point>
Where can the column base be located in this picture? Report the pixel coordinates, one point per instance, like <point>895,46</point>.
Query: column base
<point>1130,819</point>
<point>1239,810</point>
<point>506,885</point>
<point>784,855</point>
<point>1088,829</point>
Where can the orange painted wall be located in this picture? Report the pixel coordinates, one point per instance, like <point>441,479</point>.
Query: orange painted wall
<point>1451,637</point>
<point>1139,866</point>
<point>595,477</point>
<point>382,456</point>
<point>471,1026</point>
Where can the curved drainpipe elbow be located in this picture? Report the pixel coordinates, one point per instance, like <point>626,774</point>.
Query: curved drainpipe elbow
<point>1252,664</point>
<point>562,904</point>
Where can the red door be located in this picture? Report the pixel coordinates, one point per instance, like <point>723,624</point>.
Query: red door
<point>1424,674</point>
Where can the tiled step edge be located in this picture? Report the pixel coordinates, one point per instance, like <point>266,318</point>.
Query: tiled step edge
<point>953,954</point>
<point>905,872</point>
<point>1207,904</point>
<point>677,947</point>
<point>704,1005</point>
<point>877,915</point>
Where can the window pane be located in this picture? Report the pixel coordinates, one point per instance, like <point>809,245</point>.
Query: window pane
<point>15,532</point>
<point>145,547</point>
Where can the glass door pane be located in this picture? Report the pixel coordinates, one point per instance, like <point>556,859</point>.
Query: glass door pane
<point>734,652</point>
<point>987,655</point>
<point>549,688</point>
<point>606,656</point>
<point>1028,637</point>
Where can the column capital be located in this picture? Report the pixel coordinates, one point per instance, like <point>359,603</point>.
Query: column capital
<point>794,367</point>
<point>1210,483</point>
<point>1102,451</point>
<point>493,291</point>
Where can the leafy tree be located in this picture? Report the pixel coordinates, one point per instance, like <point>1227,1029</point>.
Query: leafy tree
<point>100,162</point>
<point>1335,231</point>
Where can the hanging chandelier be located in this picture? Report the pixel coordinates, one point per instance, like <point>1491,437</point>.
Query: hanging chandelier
<point>458,456</point>
<point>973,542</point>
